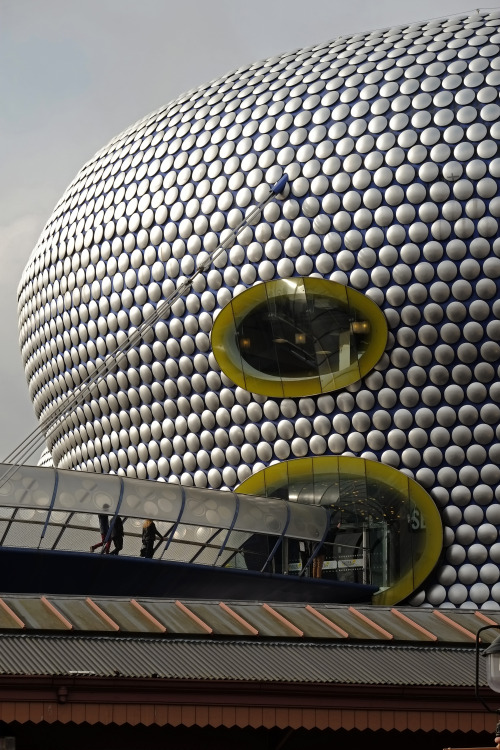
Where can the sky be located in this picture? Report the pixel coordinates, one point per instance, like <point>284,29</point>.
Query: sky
<point>75,73</point>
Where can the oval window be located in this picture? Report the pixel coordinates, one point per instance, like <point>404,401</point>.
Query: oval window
<point>388,531</point>
<point>298,337</point>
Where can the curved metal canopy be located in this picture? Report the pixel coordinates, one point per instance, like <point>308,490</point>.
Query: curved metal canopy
<point>63,498</point>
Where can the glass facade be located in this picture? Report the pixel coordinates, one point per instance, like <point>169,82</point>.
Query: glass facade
<point>49,508</point>
<point>299,336</point>
<point>384,530</point>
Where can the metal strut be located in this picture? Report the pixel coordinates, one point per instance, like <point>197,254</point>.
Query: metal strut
<point>47,426</point>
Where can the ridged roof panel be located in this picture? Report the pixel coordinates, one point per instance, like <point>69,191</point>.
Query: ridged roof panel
<point>243,619</point>
<point>245,660</point>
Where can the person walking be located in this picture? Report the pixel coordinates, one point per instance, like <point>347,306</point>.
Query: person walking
<point>149,534</point>
<point>117,535</point>
<point>103,528</point>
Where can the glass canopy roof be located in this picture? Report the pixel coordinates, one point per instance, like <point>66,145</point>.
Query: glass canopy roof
<point>48,508</point>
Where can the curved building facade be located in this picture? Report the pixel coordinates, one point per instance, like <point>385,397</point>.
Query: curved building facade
<point>355,315</point>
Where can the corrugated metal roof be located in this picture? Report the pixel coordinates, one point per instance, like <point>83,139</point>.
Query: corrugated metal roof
<point>247,641</point>
<point>247,660</point>
<point>243,619</point>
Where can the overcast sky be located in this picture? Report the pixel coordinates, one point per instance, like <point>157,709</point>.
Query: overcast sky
<point>74,73</point>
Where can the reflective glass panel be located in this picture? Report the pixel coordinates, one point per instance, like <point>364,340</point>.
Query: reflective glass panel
<point>384,529</point>
<point>299,336</point>
<point>58,509</point>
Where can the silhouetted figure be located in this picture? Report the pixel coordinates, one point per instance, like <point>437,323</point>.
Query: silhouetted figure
<point>117,535</point>
<point>305,551</point>
<point>149,534</point>
<point>319,559</point>
<point>103,528</point>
